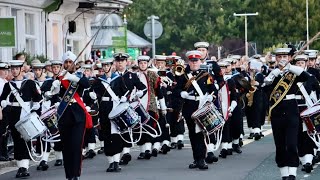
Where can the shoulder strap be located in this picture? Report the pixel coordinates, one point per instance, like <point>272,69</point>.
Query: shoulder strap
<point>18,97</point>
<point>195,84</point>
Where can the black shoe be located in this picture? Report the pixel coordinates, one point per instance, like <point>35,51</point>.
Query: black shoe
<point>90,154</point>
<point>43,166</point>
<point>126,158</point>
<point>165,149</point>
<point>240,142</point>
<point>173,145</point>
<point>147,154</point>
<point>76,178</point>
<point>202,164</point>
<point>142,156</point>
<point>101,150</point>
<point>180,144</point>
<point>285,177</point>
<point>193,165</point>
<point>236,148</point>
<point>22,173</point>
<point>250,136</point>
<point>110,168</point>
<point>3,158</point>
<point>58,162</point>
<point>154,152</point>
<point>257,136</point>
<point>223,153</point>
<point>291,177</point>
<point>116,167</point>
<point>308,167</point>
<point>211,158</point>
<point>261,135</point>
<point>229,151</point>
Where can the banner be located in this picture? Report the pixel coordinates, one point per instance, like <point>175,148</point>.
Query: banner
<point>7,32</point>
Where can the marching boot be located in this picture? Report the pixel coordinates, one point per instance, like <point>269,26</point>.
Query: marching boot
<point>236,148</point>
<point>180,144</point>
<point>291,177</point>
<point>43,166</point>
<point>147,154</point>
<point>285,178</point>
<point>165,149</point>
<point>58,162</point>
<point>173,145</point>
<point>250,136</point>
<point>261,135</point>
<point>154,152</point>
<point>101,150</point>
<point>257,136</point>
<point>240,142</point>
<point>202,164</point>
<point>126,158</point>
<point>142,156</point>
<point>90,154</point>
<point>22,173</point>
<point>307,167</point>
<point>116,167</point>
<point>110,168</point>
<point>193,165</point>
<point>223,153</point>
<point>211,158</point>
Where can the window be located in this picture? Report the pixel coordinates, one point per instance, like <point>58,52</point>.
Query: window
<point>74,46</point>
<point>30,33</point>
<point>55,40</point>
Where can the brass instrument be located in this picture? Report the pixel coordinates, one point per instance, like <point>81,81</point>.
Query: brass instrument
<point>253,89</point>
<point>179,68</point>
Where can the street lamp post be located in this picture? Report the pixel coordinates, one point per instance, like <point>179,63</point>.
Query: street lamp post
<point>246,27</point>
<point>153,18</point>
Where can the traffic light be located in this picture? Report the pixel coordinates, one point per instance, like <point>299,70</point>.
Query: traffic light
<point>104,54</point>
<point>92,54</point>
<point>98,53</point>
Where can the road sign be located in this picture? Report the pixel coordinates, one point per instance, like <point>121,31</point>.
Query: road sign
<point>7,32</point>
<point>158,29</point>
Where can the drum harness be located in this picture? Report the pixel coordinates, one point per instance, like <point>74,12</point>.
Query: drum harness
<point>32,151</point>
<point>218,134</point>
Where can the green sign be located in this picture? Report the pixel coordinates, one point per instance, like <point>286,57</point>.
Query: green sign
<point>119,42</point>
<point>7,32</point>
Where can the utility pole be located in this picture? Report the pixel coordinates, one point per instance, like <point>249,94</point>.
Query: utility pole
<point>246,27</point>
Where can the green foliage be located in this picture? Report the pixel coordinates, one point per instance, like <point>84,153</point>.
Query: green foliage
<point>188,21</point>
<point>30,57</point>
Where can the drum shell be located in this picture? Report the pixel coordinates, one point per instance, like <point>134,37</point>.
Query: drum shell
<point>125,119</point>
<point>30,127</point>
<point>49,118</point>
<point>144,115</point>
<point>311,117</point>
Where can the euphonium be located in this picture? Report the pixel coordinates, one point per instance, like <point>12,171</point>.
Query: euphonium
<point>253,89</point>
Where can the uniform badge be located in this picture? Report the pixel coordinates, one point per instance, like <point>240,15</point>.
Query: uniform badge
<point>130,77</point>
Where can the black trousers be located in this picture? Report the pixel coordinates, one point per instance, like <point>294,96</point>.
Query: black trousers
<point>176,127</point>
<point>72,129</point>
<point>165,130</point>
<point>285,126</point>
<point>236,123</point>
<point>146,138</point>
<point>19,144</point>
<point>3,138</point>
<point>305,144</point>
<point>197,139</point>
<point>89,137</point>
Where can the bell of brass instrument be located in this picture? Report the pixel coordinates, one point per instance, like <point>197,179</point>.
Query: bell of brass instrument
<point>179,68</point>
<point>253,89</point>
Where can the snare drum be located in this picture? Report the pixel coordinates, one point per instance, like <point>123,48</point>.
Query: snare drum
<point>124,116</point>
<point>49,118</point>
<point>311,117</point>
<point>144,115</point>
<point>30,127</point>
<point>208,118</point>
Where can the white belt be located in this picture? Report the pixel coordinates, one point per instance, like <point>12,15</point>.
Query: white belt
<point>293,96</point>
<point>106,99</point>
<point>16,104</point>
<point>193,98</point>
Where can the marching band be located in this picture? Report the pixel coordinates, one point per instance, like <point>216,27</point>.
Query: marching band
<point>65,107</point>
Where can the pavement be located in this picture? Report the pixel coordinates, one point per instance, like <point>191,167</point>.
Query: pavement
<point>255,163</point>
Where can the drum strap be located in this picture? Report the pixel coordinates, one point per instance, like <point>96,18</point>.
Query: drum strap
<point>18,98</point>
<point>195,84</point>
<point>305,94</point>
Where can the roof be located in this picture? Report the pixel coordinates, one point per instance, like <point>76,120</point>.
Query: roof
<point>110,29</point>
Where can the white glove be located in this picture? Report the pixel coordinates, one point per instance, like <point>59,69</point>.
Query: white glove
<point>123,99</point>
<point>56,105</point>
<point>184,94</point>
<point>4,104</point>
<point>48,94</point>
<point>295,69</point>
<point>164,112</point>
<point>232,106</point>
<point>163,105</point>
<point>35,106</point>
<point>275,72</point>
<point>56,83</point>
<point>71,77</point>
<point>93,95</point>
<point>88,108</point>
<point>139,93</point>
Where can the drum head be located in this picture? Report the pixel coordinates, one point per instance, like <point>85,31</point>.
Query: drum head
<point>310,111</point>
<point>224,100</point>
<point>116,111</point>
